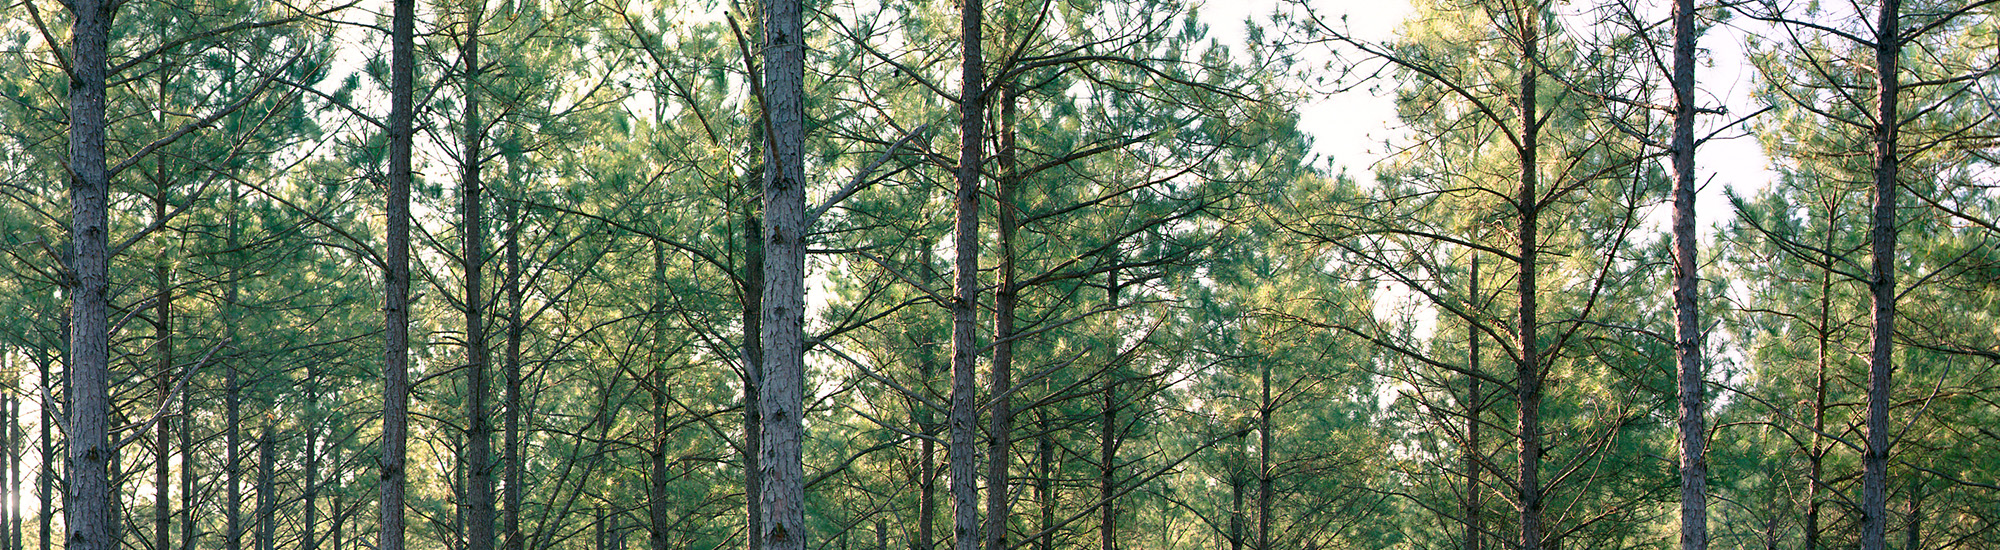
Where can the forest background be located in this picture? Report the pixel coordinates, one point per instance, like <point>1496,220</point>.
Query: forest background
<point>1033,274</point>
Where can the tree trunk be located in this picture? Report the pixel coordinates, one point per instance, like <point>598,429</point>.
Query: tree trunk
<point>1045,483</point>
<point>511,521</point>
<point>310,506</point>
<point>164,381</point>
<point>189,497</point>
<point>926,460</point>
<point>339,530</point>
<point>782,397</point>
<point>1107,443</point>
<point>396,286</point>
<point>267,488</point>
<point>87,503</point>
<point>657,510</point>
<point>232,438</point>
<point>1689,366</point>
<point>965,288</point>
<point>1475,524</point>
<point>1000,439</point>
<point>1882,277</point>
<point>1816,456</point>
<point>44,476</point>
<point>1264,444</point>
<point>1528,369</point>
<point>1237,486</point>
<point>478,450</point>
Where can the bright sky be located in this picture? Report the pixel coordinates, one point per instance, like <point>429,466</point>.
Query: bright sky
<point>1350,128</point>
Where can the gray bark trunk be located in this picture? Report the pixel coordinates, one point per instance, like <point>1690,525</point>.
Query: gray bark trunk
<point>1475,524</point>
<point>1882,277</point>
<point>1528,369</point>
<point>1689,366</point>
<point>267,489</point>
<point>478,451</point>
<point>781,395</point>
<point>396,286</point>
<point>1000,439</point>
<point>164,382</point>
<point>963,418</point>
<point>511,521</point>
<point>87,500</point>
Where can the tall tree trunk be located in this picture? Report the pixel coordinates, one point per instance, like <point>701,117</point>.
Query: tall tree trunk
<point>10,518</point>
<point>781,397</point>
<point>1689,366</point>
<point>335,535</point>
<point>1475,398</point>
<point>926,459</point>
<point>163,344</point>
<point>511,521</point>
<point>189,497</point>
<point>87,502</point>
<point>309,508</point>
<point>1913,534</point>
<point>396,275</point>
<point>1107,443</point>
<point>478,451</point>
<point>999,433</point>
<point>1882,276</point>
<point>232,438</point>
<point>1238,485</point>
<point>1045,483</point>
<point>964,415</point>
<point>45,475</point>
<point>1264,447</point>
<point>267,490</point>
<point>1528,369</point>
<point>1816,456</point>
<point>657,510</point>
<point>1107,469</point>
<point>14,477</point>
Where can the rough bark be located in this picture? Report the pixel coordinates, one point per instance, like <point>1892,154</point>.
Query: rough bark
<point>396,275</point>
<point>658,513</point>
<point>232,439</point>
<point>309,508</point>
<point>1528,367</point>
<point>478,450</point>
<point>163,380</point>
<point>511,494</point>
<point>1237,486</point>
<point>1475,524</point>
<point>781,401</point>
<point>999,441</point>
<point>267,491</point>
<point>1107,469</point>
<point>1688,362</point>
<point>1881,276</point>
<point>963,418</point>
<point>188,494</point>
<point>1264,444</point>
<point>1045,483</point>
<point>44,476</point>
<point>1816,456</point>
<point>87,501</point>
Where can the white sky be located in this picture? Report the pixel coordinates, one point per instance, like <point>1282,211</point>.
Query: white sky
<point>1349,128</point>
